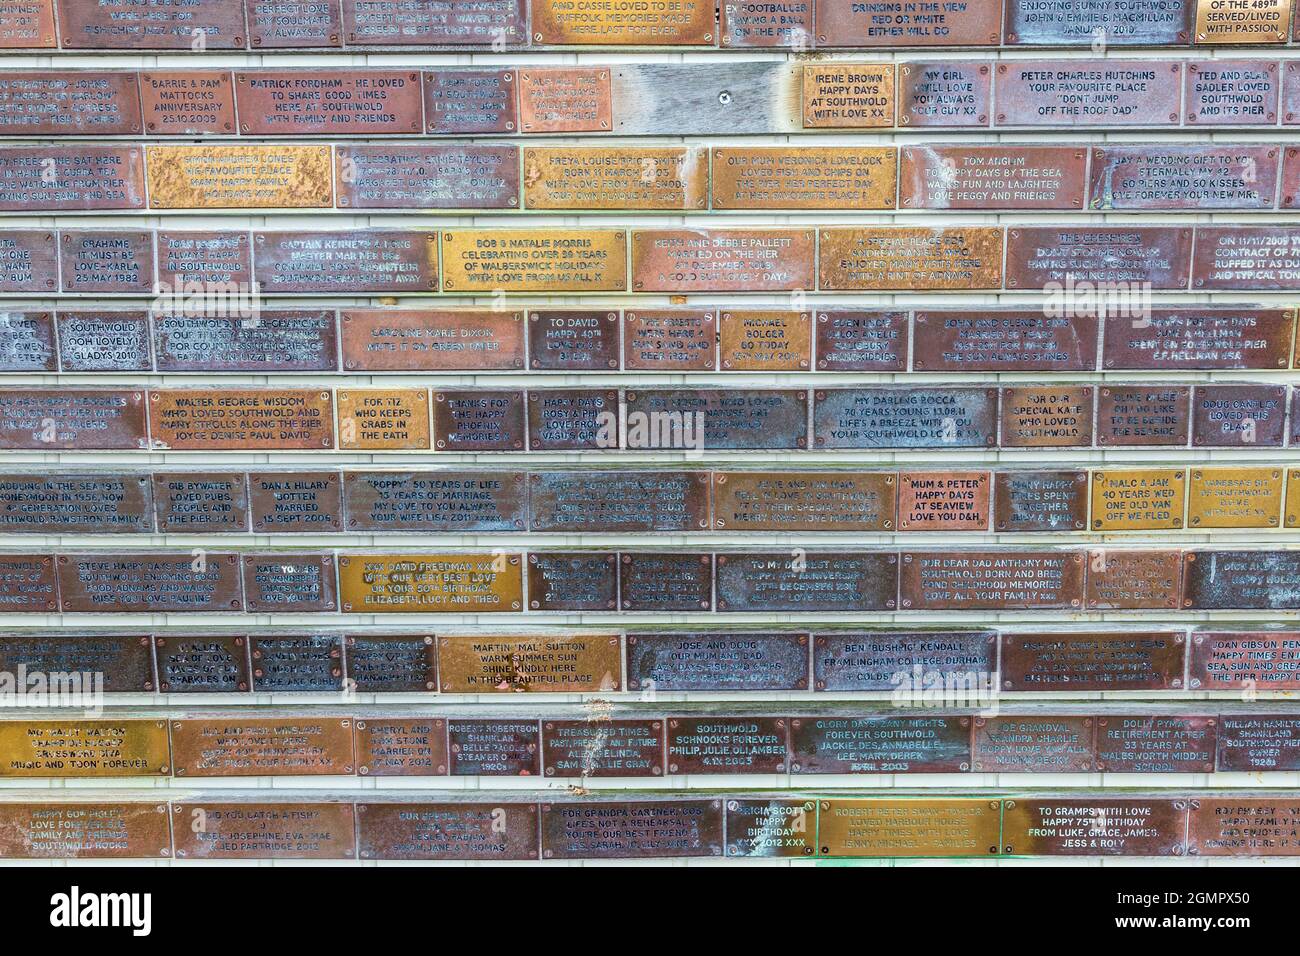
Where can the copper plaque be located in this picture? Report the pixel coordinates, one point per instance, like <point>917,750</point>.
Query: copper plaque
<point>991,580</point>
<point>553,664</point>
<point>1089,22</point>
<point>1087,825</point>
<point>102,261</point>
<point>571,419</point>
<point>424,340</point>
<point>105,831</point>
<point>76,664</point>
<point>27,24</point>
<point>948,94</point>
<point>599,747</point>
<point>716,418</point>
<point>383,418</point>
<point>269,341</point>
<point>884,744</point>
<point>155,25</point>
<point>104,341</point>
<point>1143,415</point>
<point>732,661</point>
<point>1003,342</point>
<point>1238,416</point>
<point>793,177</point>
<point>653,581</point>
<point>565,581</point>
<point>472,176</point>
<point>909,827</point>
<point>1034,744</point>
<point>669,340</point>
<point>432,22</point>
<point>534,260</point>
<point>771,828</point>
<point>150,582</point>
<point>1261,258</point>
<point>1134,580</point>
<point>1068,661</point>
<point>27,583</point>
<point>1118,257</point>
<point>1137,499</point>
<point>765,341</point>
<point>901,258</point>
<point>83,419</point>
<point>478,421</point>
<point>619,501</point>
<point>1026,501</point>
<point>916,417</point>
<point>392,663</point>
<point>191,419</point>
<point>722,260</point>
<point>447,831</point>
<point>672,23</point>
<point>906,662</point>
<point>200,502</point>
<point>1244,825</point>
<point>807,581</point>
<point>1058,416</point>
<point>992,177</point>
<point>1255,743</point>
<point>430,583</point>
<point>338,101</point>
<point>1231,92</point>
<point>69,103</point>
<point>236,746</point>
<point>264,831</point>
<point>1245,660</point>
<point>279,582</point>
<point>446,501</point>
<point>911,23</point>
<point>1218,21</point>
<point>202,665</point>
<point>1156,744</point>
<point>494,747</point>
<point>565,100</point>
<point>1207,338</point>
<point>28,341</point>
<point>616,177</point>
<point>727,745</point>
<point>943,501</point>
<point>602,829</point>
<point>1234,498</point>
<point>84,748</point>
<point>284,24</point>
<point>1248,580</point>
<point>71,178</point>
<point>852,341</point>
<point>752,23</point>
<point>268,175</point>
<point>848,95</point>
<point>372,260</point>
<point>1095,92</point>
<point>402,746</point>
<point>804,501</point>
<point>297,662</point>
<point>93,502</point>
<point>28,261</point>
<point>213,262</point>
<point>1204,176</point>
<point>295,501</point>
<point>187,102</point>
<point>573,341</point>
<point>470,101</point>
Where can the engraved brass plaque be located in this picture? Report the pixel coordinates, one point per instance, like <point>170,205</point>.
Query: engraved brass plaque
<point>446,501</point>
<point>28,583</point>
<point>1057,416</point>
<point>1239,660</point>
<point>851,341</point>
<point>567,581</point>
<point>1219,21</point>
<point>1094,826</point>
<point>470,101</point>
<point>888,258</point>
<point>1094,92</point>
<point>202,665</point>
<point>383,418</point>
<point>69,102</point>
<point>534,260</point>
<point>200,502</point>
<point>653,581</point>
<point>1034,744</point>
<point>603,829</point>
<point>121,661</point>
<point>402,746</point>
<point>1146,23</point>
<point>392,664</point>
<point>1156,744</point>
<point>1246,580</point>
<point>793,177</point>
<point>619,501</point>
<point>992,177</point>
<point>96,260</point>
<point>424,340</point>
<point>909,827</point>
<point>470,176</point>
<point>910,23</point>
<point>991,580</point>
<point>901,661</point>
<point>71,178</point>
<point>204,260</point>
<point>1235,498</point>
<point>1038,256</point>
<point>1231,92</point>
<point>150,582</point>
<point>1258,742</point>
<point>716,418</point>
<point>1143,415</point>
<point>84,748</point>
<point>734,661</point>
<point>349,261</point>
<point>280,582</point>
<point>430,583</point>
<point>600,747</point>
<point>82,419</point>
<point>565,100</point>
<point>1134,579</point>
<point>549,664</point>
<point>671,23</point>
<point>104,25</point>
<point>804,501</point>
<point>1263,258</point>
<point>807,581</point>
<point>27,24</point>
<point>1244,825</point>
<point>950,94</point>
<point>722,260</point>
<point>669,340</point>
<point>295,501</point>
<point>712,745</point>
<point>1003,342</point>
<point>1204,176</point>
<point>273,341</point>
<point>264,831</point>
<point>238,746</point>
<point>567,419</point>
<point>494,747</point>
<point>765,341</point>
<point>75,503</point>
<point>297,662</point>
<point>106,831</point>
<point>28,343</point>
<point>616,177</point>
<point>478,421</point>
<point>1069,661</point>
<point>28,261</point>
<point>338,101</point>
<point>1137,499</point>
<point>771,828</point>
<point>430,23</point>
<point>1206,338</point>
<point>915,417</point>
<point>447,831</point>
<point>187,102</point>
<point>573,341</point>
<point>245,177</point>
<point>943,500</point>
<point>185,419</point>
<point>284,24</point>
<point>884,744</point>
<point>848,95</point>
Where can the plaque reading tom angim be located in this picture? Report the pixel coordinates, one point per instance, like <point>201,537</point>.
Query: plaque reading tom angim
<point>1092,92</point>
<point>270,341</point>
<point>81,419</point>
<point>434,22</point>
<point>885,744</point>
<point>1204,176</point>
<point>1085,825</point>
<point>1119,256</point>
<point>599,747</point>
<point>992,177</point>
<point>315,102</point>
<point>80,830</point>
<point>1231,92</point>
<point>320,830</point>
<point>806,581</point>
<point>84,748</point>
<point>569,581</point>
<point>392,663</point>
<point>104,341</point>
<point>71,178</point>
<point>804,501</point>
<point>183,419</point>
<point>372,260</point>
<point>1240,660</point>
<point>1069,661</point>
<point>75,503</point>
<point>472,176</point>
<point>444,501</point>
<point>717,661</point>
<point>447,831</point>
<point>427,340</point>
<point>1026,501</point>
<point>1134,580</point>
<point>1205,338</point>
<point>1085,23</point>
<point>605,829</point>
<point>295,501</point>
<point>885,417</point>
<point>852,341</point>
<point>198,664</point>
<point>618,501</point>
<point>151,24</point>
<point>69,103</point>
<point>1250,580</point>
<point>114,663</point>
<point>1010,579</point>
<point>536,663</point>
<point>467,583</point>
<point>149,582</point>
<point>1003,342</point>
<point>904,660</point>
<point>900,258</point>
<point>1258,743</point>
<point>239,746</point>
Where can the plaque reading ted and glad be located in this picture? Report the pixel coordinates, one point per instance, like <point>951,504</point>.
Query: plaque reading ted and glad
<point>534,260</point>
<point>430,583</point>
<point>537,663</point>
<point>249,418</point>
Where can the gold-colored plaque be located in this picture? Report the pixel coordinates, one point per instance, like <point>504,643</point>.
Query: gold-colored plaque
<point>756,341</point>
<point>1234,498</point>
<point>467,583</point>
<point>848,95</point>
<point>1242,21</point>
<point>1138,499</point>
<point>383,418</point>
<point>616,177</point>
<point>540,663</point>
<point>239,746</point>
<point>84,748</point>
<point>534,260</point>
<point>804,177</point>
<point>804,501</point>
<point>1293,498</point>
<point>885,258</point>
<point>909,827</point>
<point>268,175</point>
<point>664,23</point>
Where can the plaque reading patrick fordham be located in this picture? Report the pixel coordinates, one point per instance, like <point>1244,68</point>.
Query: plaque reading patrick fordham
<point>547,664</point>
<point>342,101</point>
<point>430,583</point>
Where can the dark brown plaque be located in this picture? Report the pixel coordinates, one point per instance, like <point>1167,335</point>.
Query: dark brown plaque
<point>1058,415</point>
<point>914,417</point>
<point>1143,415</point>
<point>716,418</point>
<point>573,341</point>
<point>200,502</point>
<point>1156,744</point>
<point>284,583</point>
<point>1205,176</point>
<point>565,100</point>
<point>567,581</point>
<point>297,662</point>
<point>282,24</point>
<point>669,340</point>
<point>1231,92</point>
<point>27,343</point>
<point>196,664</point>
<point>472,176</point>
<point>28,583</point>
<point>76,503</point>
<point>218,264</point>
<point>29,261</point>
<point>264,831</point>
<point>470,101</point>
<point>102,261</point>
<point>722,260</point>
<point>151,24</point>
<point>798,580</point>
<point>494,747</point>
<point>83,419</point>
<point>618,501</point>
<point>771,828</point>
<point>447,501</point>
<point>1087,825</point>
<point>1260,580</point>
<point>992,177</point>
<point>572,419</point>
<point>804,501</point>
<point>753,23</point>
<point>602,829</point>
<point>1134,580</point>
<point>1034,744</point>
<point>991,580</point>
<point>599,747</point>
<point>727,745</point>
<point>150,582</point>
<point>71,178</point>
<point>60,667</point>
<point>733,661</point>
<point>338,101</point>
<point>1238,416</point>
<point>943,500</point>
<point>63,830</point>
<point>1214,338</point>
<point>402,747</point>
<point>1067,661</point>
<point>27,24</point>
<point>373,260</point>
<point>69,103</point>
<point>949,94</point>
<point>987,341</point>
<point>1245,660</point>
<point>1061,258</point>
<point>907,663</point>
<point>852,341</point>
<point>1260,258</point>
<point>666,582</point>
<point>1245,824</point>
<point>308,501</point>
<point>447,831</point>
<point>187,102</point>
<point>193,419</point>
<point>897,743</point>
<point>269,341</point>
<point>911,23</point>
<point>478,421</point>
<point>434,22</point>
<point>1095,92</point>
<point>104,341</point>
<point>237,746</point>
<point>1257,743</point>
<point>414,340</point>
<point>392,663</point>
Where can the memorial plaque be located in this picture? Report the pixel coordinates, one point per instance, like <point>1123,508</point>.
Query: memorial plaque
<point>69,103</point>
<point>534,260</point>
<point>565,100</point>
<point>886,744</point>
<point>295,501</point>
<point>430,583</point>
<point>351,261</point>
<point>202,665</point>
<point>915,417</point>
<point>151,24</point>
<point>802,581</point>
<point>284,24</point>
<point>751,341</point>
<point>533,663</point>
<point>479,420</point>
<point>1245,660</point>
<point>1245,580</point>
<point>1259,258</point>
<point>1138,499</point>
<point>727,745</point>
<point>200,502</point>
<point>910,23</point>
<point>669,340</point>
<point>494,748</point>
<point>848,95</point>
<point>1258,743</point>
<point>188,102</point>
<point>446,501</point>
<point>907,663</point>
<point>721,661</point>
<point>1083,93</point>
<point>1289,188</point>
<point>27,583</point>
<point>565,581</point>
<point>216,264</point>
<point>71,178</point>
<point>472,176</point>
<point>27,342</point>
<point>1221,21</point>
<point>1070,661</point>
<point>104,341</point>
<point>59,668</point>
<point>434,22</point>
<point>236,746</point>
<point>28,261</point>
<point>626,501</point>
<point>402,746</point>
<point>943,501</point>
<point>425,340</point>
<point>909,827</point>
<point>1087,23</point>
<point>1033,744</point>
<point>288,583</point>
<point>716,418</point>
<point>753,23</point>
<point>1134,580</point>
<point>1058,416</point>
<point>1003,342</point>
<point>672,23</point>
<point>76,503</point>
<point>383,418</point>
<point>264,831</point>
<point>1204,176</point>
<point>599,747</point>
<point>991,580</point>
<point>1231,92</point>
<point>338,101</point>
<point>1201,339</point>
<point>297,662</point>
<point>850,341</point>
<point>27,24</point>
<point>885,258</point>
<point>1156,744</point>
<point>992,177</point>
<point>51,830</point>
<point>563,341</point>
<point>571,419</point>
<point>267,175</point>
<point>470,101</point>
<point>144,582</point>
<point>1028,501</point>
<point>101,261</point>
<point>270,341</point>
<point>605,829</point>
<point>392,663</point>
<point>1088,825</point>
<point>245,419</point>
<point>1235,498</point>
<point>84,748</point>
<point>793,177</point>
<point>666,582</point>
<point>1122,258</point>
<point>804,501</point>
<point>949,94</point>
<point>1143,415</point>
<point>722,260</point>
<point>616,177</point>
<point>447,831</point>
<point>1244,825</point>
<point>771,828</point>
<point>82,419</point>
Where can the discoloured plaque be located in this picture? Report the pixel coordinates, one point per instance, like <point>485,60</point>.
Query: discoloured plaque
<point>243,177</point>
<point>571,419</point>
<point>69,103</point>
<point>716,418</point>
<point>886,744</point>
<point>392,663</point>
<point>1040,500</point>
<point>423,340</point>
<point>565,100</point>
<point>1221,21</point>
<point>804,501</point>
<point>722,260</point>
<point>905,662</point>
<point>731,661</point>
<point>202,665</point>
<point>151,24</point>
<point>447,831</point>
<point>402,747</point>
<point>200,502</point>
<point>1249,580</point>
<point>71,178</point>
<point>445,501</point>
<point>1156,744</point>
<point>1258,742</point>
<point>1003,342</point>
<point>430,583</point>
<point>771,828</point>
<point>1034,744</point>
<point>616,177</point>
<point>1056,416</point>
<point>206,262</point>
<point>1245,660</point>
<point>94,502</point>
<point>909,827</point>
<point>887,258</point>
<point>1235,498</point>
<point>28,261</point>
<point>102,261</point>
<point>1244,825</point>
<point>848,95</point>
<point>350,261</point>
<point>1134,580</point>
<point>566,581</point>
<point>1085,23</point>
<point>187,102</point>
<point>1143,415</point>
<point>1122,257</point>
<point>106,831</point>
<point>753,23</point>
<point>1204,176</point>
<point>264,831</point>
<point>470,101</point>
<point>955,93</point>
<point>287,583</point>
<point>26,338</point>
<point>297,663</point>
<point>543,664</point>
<point>295,501</point>
<point>992,177</point>
<point>84,748</point>
<point>669,340</point>
<point>338,101</point>
<point>727,745</point>
<point>150,582</point>
<point>1087,825</point>
<point>478,421</point>
<point>431,22</point>
<point>269,341</point>
<point>653,581</point>
<point>1094,92</point>
<point>115,663</point>
<point>1138,499</point>
<point>534,260</point>
<point>383,418</point>
<point>765,341</point>
<point>28,583</point>
<point>238,746</point>
<point>911,23</point>
<point>563,341</point>
<point>194,419</point>
<point>284,24</point>
<point>470,176</point>
<point>1069,661</point>
<point>104,341</point>
<point>671,23</point>
<point>991,580</point>
<point>1261,258</point>
<point>916,417</point>
<point>794,177</point>
<point>619,501</point>
<point>600,747</point>
<point>851,341</point>
<point>494,748</point>
<point>812,581</point>
<point>943,500</point>
<point>1231,92</point>
<point>1208,338</point>
<point>602,829</point>
<point>82,419</point>
<point>27,24</point>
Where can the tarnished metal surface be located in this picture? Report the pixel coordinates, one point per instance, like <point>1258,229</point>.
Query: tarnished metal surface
<point>236,746</point>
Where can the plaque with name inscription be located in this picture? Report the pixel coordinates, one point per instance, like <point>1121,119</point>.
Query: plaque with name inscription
<point>444,501</point>
<point>991,580</point>
<point>670,23</point>
<point>884,744</point>
<point>434,22</point>
<point>392,663</point>
<point>295,501</point>
<point>771,828</point>
<point>106,831</point>
<point>1245,660</point>
<point>1259,258</point>
<point>599,747</point>
<point>669,340</point>
<point>1138,499</point>
<point>722,260</point>
<point>565,100</point>
<point>1087,825</point>
<point>1231,92</point>
<point>1003,342</point>
<point>887,258</point>
<point>950,94</point>
<point>568,581</point>
<point>624,501</point>
<point>909,827</point>
<point>426,340</point>
<point>187,102</point>
<point>564,341</point>
<point>534,260</point>
<point>1122,257</point>
<point>27,24</point>
<point>943,500</point>
<point>270,341</point>
<point>338,101</point>
<point>1247,824</point>
<point>1027,501</point>
<point>1251,580</point>
<point>1221,22</point>
<point>200,502</point>
<point>992,177</point>
<point>401,747</point>
<point>197,419</point>
<point>572,419</point>
<point>470,101</point>
<point>727,745</point>
<point>499,747</point>
<point>916,417</point>
<point>1156,744</point>
<point>1086,23</point>
<point>1026,744</point>
<point>246,746</point>
<point>267,175</point>
<point>383,418</point>
<point>1069,661</point>
<point>1143,415</point>
<point>1234,498</point>
<point>603,829</point>
<point>297,663</point>
<point>848,95</point>
<point>794,177</point>
<point>652,581</point>
<point>27,343</point>
<point>149,582</point>
<point>264,831</point>
<point>198,263</point>
<point>542,664</point>
<point>910,23</point>
<point>284,24</point>
<point>447,831</point>
<point>616,177</point>
<point>1134,580</point>
<point>1257,743</point>
<point>906,662</point>
<point>470,176</point>
<point>289,583</point>
<point>1222,338</point>
<point>84,748</point>
<point>1056,416</point>
<point>69,103</point>
<point>82,419</point>
<point>102,261</point>
<point>199,664</point>
<point>751,341</point>
<point>372,260</point>
<point>71,178</point>
<point>1084,93</point>
<point>29,261</point>
<point>57,663</point>
<point>75,503</point>
<point>28,583</point>
<point>1204,176</point>
<point>479,420</point>
<point>807,581</point>
<point>717,661</point>
<point>753,23</point>
<point>1289,188</point>
<point>151,24</point>
<point>465,583</point>
<point>852,341</point>
<point>804,501</point>
<point>716,418</point>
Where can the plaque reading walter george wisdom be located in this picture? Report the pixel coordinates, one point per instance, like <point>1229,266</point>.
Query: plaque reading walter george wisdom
<point>184,419</point>
<point>430,583</point>
<point>346,102</point>
<point>1088,825</point>
<point>887,744</point>
<point>619,501</point>
<point>804,501</point>
<point>1237,660</point>
<point>903,660</point>
<point>1093,661</point>
<point>145,582</point>
<point>54,830</point>
<point>415,340</point>
<point>1231,92</point>
<point>283,746</point>
<point>264,831</point>
<point>608,830</point>
<point>566,663</point>
<point>909,827</point>
<point>447,831</point>
<point>991,580</point>
<point>723,661</point>
<point>813,581</point>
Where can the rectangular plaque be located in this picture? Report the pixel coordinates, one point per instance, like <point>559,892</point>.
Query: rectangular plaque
<point>619,501</point>
<point>672,23</point>
<point>885,258</point>
<point>1122,257</point>
<point>1034,744</point>
<point>909,827</point>
<point>84,748</point>
<point>1143,415</point>
<point>723,661</point>
<point>950,94</point>
<point>1083,24</point>
<point>992,177</point>
<point>264,831</point>
<point>565,100</point>
<point>392,663</point>
<point>193,419</point>
<point>150,582</point>
<point>200,502</point>
<point>944,500</point>
<point>804,501</point>
<point>27,24</point>
<point>71,665</point>
<point>295,501</point>
<point>771,828</point>
<point>470,101</point>
<point>669,340</point>
<point>71,178</point>
<point>793,177</point>
<point>82,419</point>
<point>722,260</point>
<point>1067,661</point>
<point>1027,501</point>
<point>1134,580</point>
<point>752,23</point>
<point>1248,580</point>
<point>885,744</point>
<point>383,418</point>
<point>285,24</point>
<point>534,260</point>
<point>280,582</point>
<point>494,747</point>
<point>187,102</point>
<point>1056,416</point>
<point>426,340</point>
<point>567,581</point>
<point>1244,825</point>
<point>911,23</point>
<point>401,747</point>
<point>564,341</point>
<point>1260,258</point>
<point>1221,21</point>
<point>572,419</point>
<point>317,102</point>
<point>653,581</point>
<point>916,417</point>
<point>103,261</point>
<point>28,583</point>
<point>751,341</point>
<point>1231,92</point>
<point>1204,176</point>
<point>852,341</point>
<point>151,24</point>
<point>51,830</point>
<point>1207,338</point>
<point>1258,743</point>
<point>197,664</point>
<point>1138,499</point>
<point>470,176</point>
<point>1245,660</point>
<point>297,663</point>
<point>69,103</point>
<point>430,583</point>
<point>27,342</point>
<point>727,745</point>
<point>270,341</point>
<point>716,418</point>
<point>479,420</point>
<point>447,831</point>
<point>1234,498</point>
<point>268,175</point>
<point>1095,92</point>
<point>446,501</point>
<point>545,664</point>
<point>991,580</point>
<point>599,747</point>
<point>373,260</point>
<point>807,581</point>
<point>1003,342</point>
<point>603,829</point>
<point>1156,744</point>
<point>434,22</point>
<point>29,261</point>
<point>76,503</point>
<point>616,177</point>
<point>238,746</point>
<point>1087,825</point>
<point>848,95</point>
<point>104,341</point>
<point>206,263</point>
<point>904,662</point>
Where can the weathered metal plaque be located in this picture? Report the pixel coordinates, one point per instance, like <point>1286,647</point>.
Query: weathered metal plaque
<point>102,261</point>
<point>721,661</point>
<point>543,664</point>
<point>669,340</point>
<point>1204,176</point>
<point>371,260</point>
<point>467,583</point>
<point>1258,580</point>
<point>750,341</point>
<point>51,830</point>
<point>848,95</point>
<point>915,417</point>
<point>435,23</point>
<point>494,747</point>
<point>446,501</point>
<point>336,101</point>
<point>423,340</point>
<point>565,100</point>
<point>1056,416</point>
<point>991,580</point>
<point>470,101</point>
<point>1289,188</point>
<point>27,342</point>
<point>284,24</point>
<point>564,341</point>
<point>52,419</point>
<point>1090,22</point>
<point>992,177</point>
<point>1026,744</point>
<point>28,583</point>
<point>911,23</point>
<point>104,341</point>
<point>950,94</point>
<point>1245,660</point>
<point>1234,498</point>
<point>572,419</point>
<point>1215,338</point>
<point>907,663</point>
<point>479,420</point>
<point>727,745</point>
<point>383,418</point>
<point>150,582</point>
<point>618,501</point>
<point>192,419</point>
<point>804,501</point>
<point>652,581</point>
<point>1003,342</point>
<point>1118,257</point>
<point>944,500</point>
<point>84,748</point>
<point>1257,743</point>
<point>27,24</point>
<point>200,502</point>
<point>1087,825</point>
<point>1156,744</point>
<point>68,669</point>
<point>534,260</point>
<point>392,663</point>
<point>187,102</point>
<point>616,177</point>
<point>600,747</point>
<point>1244,825</point>
<point>722,260</point>
<point>1260,258</point>
<point>1094,92</point>
<point>1143,415</point>
<point>198,664</point>
<point>771,828</point>
<point>852,341</point>
<point>71,178</point>
<point>672,23</point>
<point>297,662</point>
<point>909,827</point>
<point>567,581</point>
<point>289,583</point>
<point>69,103</point>
<point>29,261</point>
<point>270,341</point>
<point>470,176</point>
<point>402,746</point>
<point>295,501</point>
<point>236,746</point>
<point>795,177</point>
<point>604,829</point>
<point>447,831</point>
<point>155,25</point>
<point>885,258</point>
<point>716,418</point>
<point>1040,500</point>
<point>264,831</point>
<point>886,744</point>
<point>1069,661</point>
<point>1138,499</point>
<point>195,263</point>
<point>1134,580</point>
<point>76,503</point>
<point>806,581</point>
<point>267,175</point>
<point>1218,21</point>
<point>1231,92</point>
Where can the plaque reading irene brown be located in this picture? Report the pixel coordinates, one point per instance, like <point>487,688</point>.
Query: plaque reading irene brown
<point>991,580</point>
<point>534,260</point>
<point>716,418</point>
<point>992,177</point>
<point>884,258</point>
<point>446,501</point>
<point>1138,499</point>
<point>1121,257</point>
<point>653,581</point>
<point>603,829</point>
<point>149,582</point>
<point>264,831</point>
<point>949,94</point>
<point>906,662</point>
<point>567,581</point>
<point>793,177</point>
<point>472,176</point>
<point>470,101</point>
<point>478,420</point>
<point>1156,744</point>
<point>151,24</point>
<point>187,102</point>
<point>1086,825</point>
<point>402,746</point>
<point>27,583</point>
<point>722,260</point>
<point>884,417</point>
<point>348,102</point>
<point>71,178</point>
<point>372,260</point>
<point>721,661</point>
<point>1092,92</point>
<point>69,103</point>
<point>295,501</point>
<point>545,664</point>
<point>619,501</point>
<point>572,419</point>
<point>196,664</point>
<point>1056,416</point>
<point>239,746</point>
<point>434,22</point>
<point>430,583</point>
<point>752,341</point>
<point>1222,338</point>
<point>943,500</point>
<point>83,663</point>
<point>212,263</point>
<point>383,418</point>
<point>494,747</point>
<point>297,662</point>
<point>286,583</point>
<point>616,177</point>
<point>911,23</point>
<point>104,341</point>
<point>72,418</point>
<point>1240,660</point>
<point>804,501</point>
<point>1134,580</point>
<point>27,24</point>
<point>726,745</point>
<point>1232,92</point>
<point>200,502</point>
<point>447,831</point>
<point>1035,744</point>
<point>573,341</point>
<point>424,340</point>
<point>851,341</point>
<point>27,343</point>
<point>565,100</point>
<point>102,261</point>
<point>1250,580</point>
<point>1040,500</point>
<point>771,828</point>
<point>1246,825</point>
<point>1204,176</point>
<point>194,419</point>
<point>668,340</point>
<point>106,831</point>
<point>909,827</point>
<point>1255,743</point>
<point>28,261</point>
<point>269,341</point>
<point>848,95</point>
<point>266,175</point>
<point>284,24</point>
<point>1086,23</point>
<point>84,748</point>
<point>392,663</point>
<point>886,744</point>
<point>1003,342</point>
<point>599,747</point>
<point>1143,415</point>
<point>1261,258</point>
<point>93,502</point>
<point>1068,661</point>
<point>807,581</point>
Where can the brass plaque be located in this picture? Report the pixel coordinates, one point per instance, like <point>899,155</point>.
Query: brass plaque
<point>391,664</point>
<point>1088,825</point>
<point>1293,498</point>
<point>425,340</point>
<point>857,341</point>
<point>1034,744</point>
<point>202,665</point>
<point>1029,500</point>
<point>534,260</point>
<point>187,102</point>
<point>103,341</point>
<point>611,501</point>
<point>771,828</point>
<point>566,340</point>
<point>487,747</point>
<point>616,177</point>
<point>1009,579</point>
<point>71,178</point>
<point>109,25</point>
<point>654,582</point>
<point>150,582</point>
<point>285,24</point>
<point>1138,499</point>
<point>909,827</point>
<point>946,94</point>
<point>94,502</point>
<point>992,177</point>
<point>1118,257</point>
<point>913,23</point>
<point>1245,824</point>
<point>913,417</point>
<point>669,340</point>
<point>1225,21</point>
<point>606,829</point>
<point>27,24</point>
<point>383,418</point>
<point>479,420</point>
<point>765,341</point>
<point>246,419</point>
<point>499,23</point>
<point>28,583</point>
<point>722,260</point>
<point>1134,580</point>
<point>1201,338</point>
<point>1227,92</point>
<point>200,502</point>
<point>1201,177</point>
<point>84,419</point>
<point>885,258</point>
<point>570,419</point>
<point>1246,661</point>
<point>264,831</point>
<point>735,661</point>
<point>848,95</point>
<point>84,831</point>
<point>1256,742</point>
<point>266,341</point>
<point>1087,92</point>
<point>565,100</point>
<point>1156,743</point>
<point>29,260</point>
<point>943,501</point>
<point>448,831</point>
<point>295,501</point>
<point>84,748</point>
<point>1235,498</point>
<point>343,101</point>
<point>573,581</point>
<point>63,102</point>
<point>1143,415</point>
<point>1056,416</point>
<point>28,345</point>
<point>458,101</point>
<point>71,664</point>
<point>600,747</point>
<point>796,580</point>
<point>348,261</point>
<point>669,23</point>
<point>278,582</point>
<point>754,23</point>
<point>804,501</point>
<point>401,747</point>
<point>794,177</point>
<point>1262,579</point>
<point>269,175</point>
<point>270,746</point>
<point>727,745</point>
<point>209,260</point>
<point>1094,23</point>
<point>98,260</point>
<point>297,663</point>
<point>435,500</point>
<point>546,664</point>
<point>430,583</point>
<point>465,176</point>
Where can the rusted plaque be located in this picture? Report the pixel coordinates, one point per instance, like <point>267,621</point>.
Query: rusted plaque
<point>652,581</point>
<point>915,417</point>
<point>944,500</point>
<point>69,103</point>
<point>542,664</point>
<point>565,100</point>
<point>479,420</point>
<point>289,583</point>
<point>885,258</point>
<point>103,261</point>
<point>604,829</point>
<point>200,502</point>
<point>295,501</point>
<point>104,341</point>
<point>27,342</point>
<point>1138,499</point>
<point>470,101</point>
<point>848,95</point>
<point>29,261</point>
<point>269,341</point>
<point>76,503</point>
<point>1094,92</point>
<point>671,23</point>
<point>1143,415</point>
<point>753,341</point>
<point>494,747</point>
<point>71,178</point>
<point>383,418</point>
<point>1231,92</point>
<point>722,260</point>
<point>727,745</point>
<point>392,663</point>
<point>266,175</point>
<point>1134,580</point>
<point>771,828</point>
<point>297,662</point>
<point>84,748</point>
<point>616,177</point>
<point>1056,416</point>
<point>193,419</point>
<point>534,260</point>
<point>1220,21</point>
<point>447,831</point>
<point>402,746</point>
<point>338,101</point>
<point>199,664</point>
<point>1090,22</point>
<point>1245,660</point>
<point>1246,825</point>
<point>432,22</point>
<point>716,418</point>
<point>264,831</point>
<point>907,663</point>
<point>564,341</point>
<point>909,827</point>
<point>795,177</point>
<point>1249,580</point>
<point>150,582</point>
<point>470,176</point>
<point>371,260</point>
<point>1040,500</point>
<point>804,501</point>
<point>425,340</point>
<point>853,341</point>
<point>1009,579</point>
<point>284,24</point>
<point>910,23</point>
<point>1255,743</point>
<point>950,94</point>
<point>151,24</point>
<point>572,419</point>
<point>567,581</point>
<point>618,501</point>
<point>76,665</point>
<point>27,24</point>
<point>669,340</point>
<point>1034,744</point>
<point>1116,257</point>
<point>28,583</point>
<point>82,419</point>
<point>807,581</point>
<point>987,341</point>
<point>1204,176</point>
<point>187,102</point>
<point>600,747</point>
<point>1208,338</point>
<point>992,177</point>
<point>1234,498</point>
<point>885,744</point>
<point>1260,258</point>
<point>1087,825</point>
<point>105,831</point>
<point>235,746</point>
<point>731,661</point>
<point>1068,661</point>
<point>430,583</point>
<point>1156,744</point>
<point>446,501</point>
<point>218,263</point>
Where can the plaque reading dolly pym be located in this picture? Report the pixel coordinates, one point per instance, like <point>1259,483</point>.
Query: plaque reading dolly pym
<point>402,746</point>
<point>909,827</point>
<point>807,581</point>
<point>83,419</point>
<point>289,583</point>
<point>103,341</point>
<point>1205,176</point>
<point>600,747</point>
<point>434,22</point>
<point>264,831</point>
<point>148,582</point>
<point>184,419</point>
<point>534,260</point>
<point>1055,416</point>
<point>1086,825</point>
<point>618,501</point>
<point>804,501</point>
<point>447,831</point>
<point>910,23</point>
<point>568,581</point>
<point>991,580</point>
<point>202,665</point>
<point>905,660</point>
<point>76,503</point>
<point>888,744</point>
<point>722,260</point>
<point>68,103</point>
<point>238,746</point>
<point>470,101</point>
<point>852,341</point>
<point>573,341</point>
<point>722,661</point>
<point>297,662</point>
<point>1156,744</point>
<point>116,663</point>
<point>948,94</point>
<point>200,502</point>
<point>1084,23</point>
<point>543,664</point>
<point>1260,258</point>
<point>1258,742</point>
<point>1204,338</point>
<point>992,177</point>
<point>187,102</point>
<point>472,176</point>
<point>373,260</point>
<point>71,178</point>
<point>342,101</point>
<point>887,258</point>
<point>102,261</point>
<point>726,745</point>
<point>1250,580</point>
<point>884,417</point>
<point>84,831</point>
<point>1134,579</point>
<point>1040,500</point>
<point>1245,824</point>
<point>446,501</point>
<point>424,340</point>
<point>84,748</point>
<point>1123,257</point>
<point>1238,660</point>
<point>267,175</point>
<point>151,24</point>
<point>1034,744</point>
<point>771,828</point>
<point>392,663</point>
<point>1093,92</point>
<point>1069,661</point>
<point>794,177</point>
<point>716,418</point>
<point>848,95</point>
<point>1143,415</point>
<point>1003,342</point>
<point>494,747</point>
<point>272,341</point>
<point>430,583</point>
<point>295,501</point>
<point>652,581</point>
<point>602,829</point>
